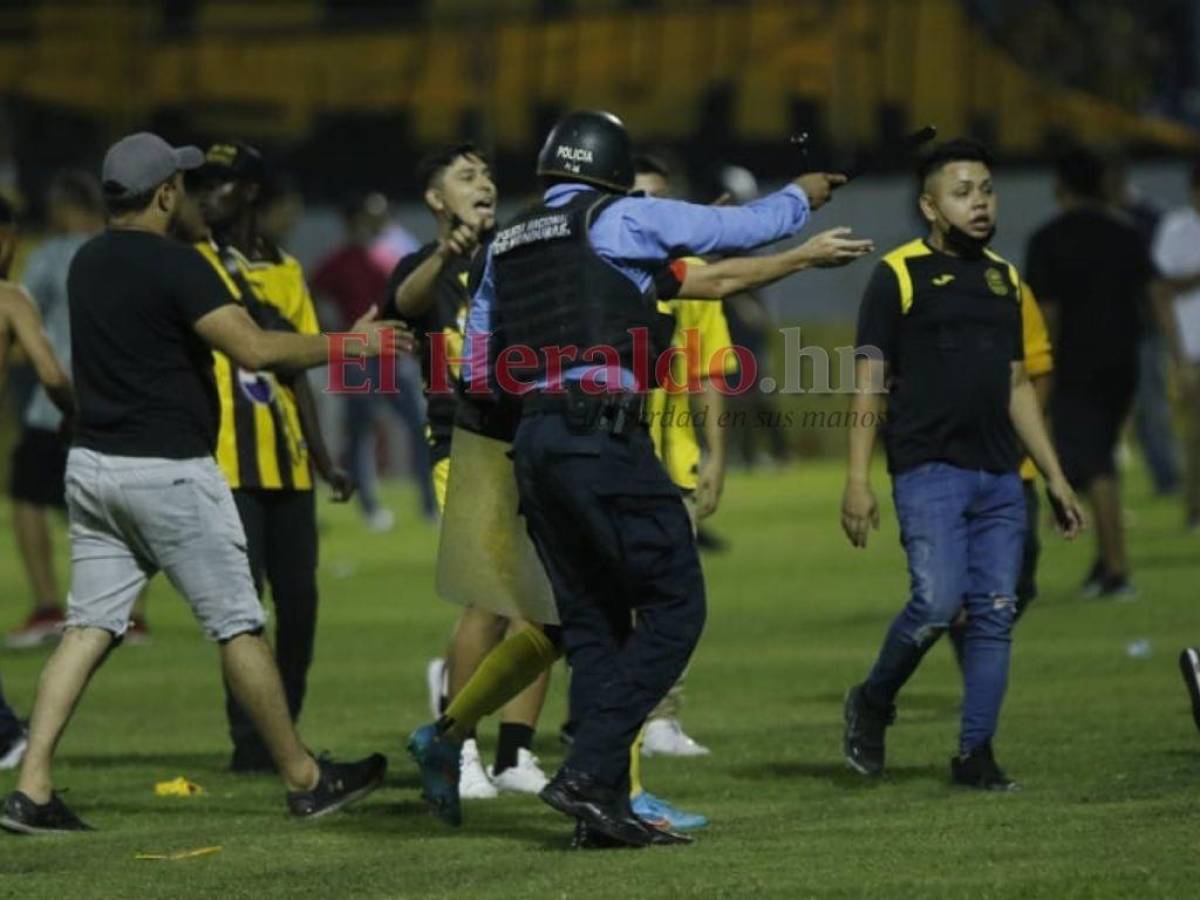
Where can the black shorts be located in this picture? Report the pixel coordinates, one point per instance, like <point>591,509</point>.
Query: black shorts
<point>39,464</point>
<point>1087,422</point>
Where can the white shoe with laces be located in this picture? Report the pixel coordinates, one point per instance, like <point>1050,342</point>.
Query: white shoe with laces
<point>665,737</point>
<point>473,781</point>
<point>526,777</point>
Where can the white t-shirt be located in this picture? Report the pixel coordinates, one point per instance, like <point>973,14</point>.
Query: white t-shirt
<point>1177,255</point>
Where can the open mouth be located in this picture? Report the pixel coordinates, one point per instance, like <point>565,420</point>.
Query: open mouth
<point>485,207</point>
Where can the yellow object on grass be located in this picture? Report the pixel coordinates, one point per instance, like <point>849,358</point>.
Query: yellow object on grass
<point>179,787</point>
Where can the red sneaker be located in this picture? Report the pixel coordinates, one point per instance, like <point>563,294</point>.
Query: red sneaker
<point>42,626</point>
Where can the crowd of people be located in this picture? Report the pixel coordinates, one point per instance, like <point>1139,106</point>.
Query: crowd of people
<point>187,440</point>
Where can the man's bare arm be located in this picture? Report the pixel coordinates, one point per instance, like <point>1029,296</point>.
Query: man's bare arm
<point>415,294</point>
<point>835,247</point>
<point>230,329</point>
<point>25,325</point>
<point>710,479</point>
<point>860,509</point>
<point>1027,420</point>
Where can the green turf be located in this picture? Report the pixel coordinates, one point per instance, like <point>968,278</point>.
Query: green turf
<point>1102,741</point>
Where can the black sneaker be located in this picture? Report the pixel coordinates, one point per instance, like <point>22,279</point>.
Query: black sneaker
<point>22,816</point>
<point>1094,581</point>
<point>603,810</point>
<point>978,770</point>
<point>1189,665</point>
<point>862,743</point>
<point>339,785</point>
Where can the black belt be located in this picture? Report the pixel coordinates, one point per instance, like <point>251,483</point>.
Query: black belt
<point>613,413</point>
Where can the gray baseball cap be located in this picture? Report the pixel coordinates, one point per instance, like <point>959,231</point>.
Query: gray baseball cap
<point>139,162</point>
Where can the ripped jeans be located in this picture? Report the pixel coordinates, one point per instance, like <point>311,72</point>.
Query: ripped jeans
<point>963,531</point>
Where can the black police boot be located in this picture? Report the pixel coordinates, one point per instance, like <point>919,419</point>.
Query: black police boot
<point>863,740</point>
<point>338,785</point>
<point>22,816</point>
<point>978,770</point>
<point>599,807</point>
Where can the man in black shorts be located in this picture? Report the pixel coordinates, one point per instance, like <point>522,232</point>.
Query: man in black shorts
<point>1091,270</point>
<point>75,210</point>
<point>144,493</point>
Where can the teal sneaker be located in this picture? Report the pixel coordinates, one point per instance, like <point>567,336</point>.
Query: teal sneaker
<point>661,814</point>
<point>439,760</point>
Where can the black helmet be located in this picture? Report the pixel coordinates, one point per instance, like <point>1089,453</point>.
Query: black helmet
<point>589,146</point>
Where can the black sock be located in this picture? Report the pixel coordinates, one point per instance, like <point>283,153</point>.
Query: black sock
<point>513,737</point>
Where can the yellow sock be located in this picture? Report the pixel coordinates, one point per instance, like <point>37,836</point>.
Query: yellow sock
<point>512,666</point>
<point>635,764</point>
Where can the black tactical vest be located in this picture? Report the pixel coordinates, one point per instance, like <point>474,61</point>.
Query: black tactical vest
<point>553,289</point>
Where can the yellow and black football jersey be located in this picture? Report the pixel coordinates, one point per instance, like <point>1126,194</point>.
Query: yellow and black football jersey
<point>949,329</point>
<point>260,443</point>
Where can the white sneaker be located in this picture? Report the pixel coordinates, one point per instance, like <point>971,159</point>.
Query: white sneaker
<point>526,777</point>
<point>435,683</point>
<point>12,753</point>
<point>380,520</point>
<point>473,781</point>
<point>665,737</point>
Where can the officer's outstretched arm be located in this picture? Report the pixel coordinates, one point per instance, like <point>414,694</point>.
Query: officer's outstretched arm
<point>835,247</point>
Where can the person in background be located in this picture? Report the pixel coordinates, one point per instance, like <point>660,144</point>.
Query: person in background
<point>1151,406</point>
<point>21,329</point>
<point>75,210</point>
<point>269,442</point>
<point>1091,271</point>
<point>353,281</point>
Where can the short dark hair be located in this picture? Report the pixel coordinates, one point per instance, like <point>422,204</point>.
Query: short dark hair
<point>434,164</point>
<point>955,150</point>
<point>649,164</point>
<point>1081,172</point>
<point>119,204</point>
<point>78,189</point>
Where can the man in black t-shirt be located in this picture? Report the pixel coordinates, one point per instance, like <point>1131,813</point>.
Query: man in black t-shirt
<point>1092,271</point>
<point>428,289</point>
<point>940,325</point>
<point>143,491</point>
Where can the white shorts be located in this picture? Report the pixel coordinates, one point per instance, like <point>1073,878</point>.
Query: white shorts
<point>133,516</point>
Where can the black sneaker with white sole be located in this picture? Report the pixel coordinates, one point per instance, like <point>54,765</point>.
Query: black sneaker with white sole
<point>338,785</point>
<point>863,739</point>
<point>22,816</point>
<point>978,770</point>
<point>1189,666</point>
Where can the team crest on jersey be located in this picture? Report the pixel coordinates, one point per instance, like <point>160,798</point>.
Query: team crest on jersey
<point>996,282</point>
<point>257,387</point>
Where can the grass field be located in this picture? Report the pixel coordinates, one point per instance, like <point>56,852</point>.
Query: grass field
<point>1102,740</point>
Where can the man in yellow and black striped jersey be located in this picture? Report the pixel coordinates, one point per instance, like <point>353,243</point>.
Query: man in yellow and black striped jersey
<point>269,441</point>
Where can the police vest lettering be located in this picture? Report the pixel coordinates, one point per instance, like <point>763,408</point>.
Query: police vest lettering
<point>531,231</point>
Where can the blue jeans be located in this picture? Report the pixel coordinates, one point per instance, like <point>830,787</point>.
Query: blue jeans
<point>963,531</point>
<point>360,445</point>
<point>10,726</point>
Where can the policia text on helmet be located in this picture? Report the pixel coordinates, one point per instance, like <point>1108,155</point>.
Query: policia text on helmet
<point>589,146</point>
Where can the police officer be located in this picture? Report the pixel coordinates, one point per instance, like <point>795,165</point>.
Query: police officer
<point>567,289</point>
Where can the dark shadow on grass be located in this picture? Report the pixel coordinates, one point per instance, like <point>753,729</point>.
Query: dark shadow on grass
<point>919,704</point>
<point>412,817</point>
<point>839,773</point>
